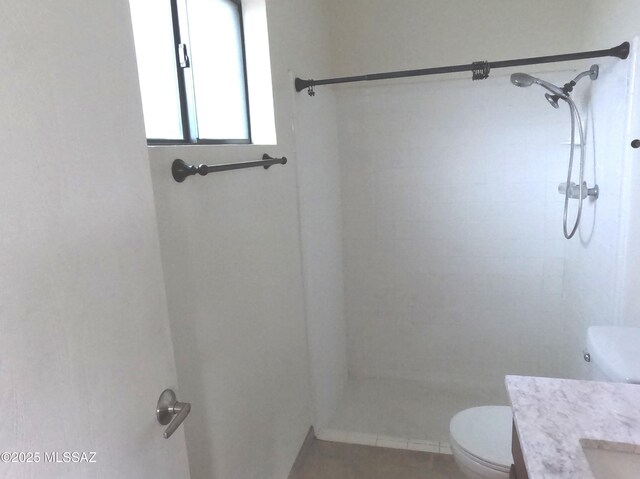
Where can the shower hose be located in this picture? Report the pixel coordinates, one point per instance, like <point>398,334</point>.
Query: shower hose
<point>575,118</point>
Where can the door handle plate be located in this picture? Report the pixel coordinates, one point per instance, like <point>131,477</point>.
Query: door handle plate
<point>164,411</point>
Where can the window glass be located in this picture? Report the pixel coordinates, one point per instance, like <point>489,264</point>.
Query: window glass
<point>217,61</point>
<point>155,51</point>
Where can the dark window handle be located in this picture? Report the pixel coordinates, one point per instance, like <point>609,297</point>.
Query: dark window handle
<point>635,144</point>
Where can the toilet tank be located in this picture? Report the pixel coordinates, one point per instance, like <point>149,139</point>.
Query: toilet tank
<point>615,353</point>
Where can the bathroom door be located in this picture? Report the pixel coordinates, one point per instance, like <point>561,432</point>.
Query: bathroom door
<point>85,348</point>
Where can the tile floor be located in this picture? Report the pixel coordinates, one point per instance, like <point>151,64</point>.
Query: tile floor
<point>331,460</point>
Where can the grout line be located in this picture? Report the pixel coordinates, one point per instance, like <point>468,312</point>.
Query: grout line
<point>445,448</point>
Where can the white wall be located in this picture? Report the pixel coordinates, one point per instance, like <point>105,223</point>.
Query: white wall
<point>321,238</point>
<point>233,264</point>
<point>480,286</point>
<point>452,222</point>
<point>609,22</point>
<point>85,344</point>
<point>595,259</point>
<point>418,279</point>
<point>448,191</point>
<point>320,198</point>
<point>380,35</point>
<point>630,255</point>
<point>618,20</point>
<point>601,277</point>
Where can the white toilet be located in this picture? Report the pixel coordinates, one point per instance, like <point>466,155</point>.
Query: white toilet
<point>480,440</point>
<point>481,436</point>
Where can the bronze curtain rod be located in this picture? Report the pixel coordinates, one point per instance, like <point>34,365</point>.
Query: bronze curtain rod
<point>480,70</point>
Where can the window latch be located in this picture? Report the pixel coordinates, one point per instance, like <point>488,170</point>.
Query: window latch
<point>183,56</point>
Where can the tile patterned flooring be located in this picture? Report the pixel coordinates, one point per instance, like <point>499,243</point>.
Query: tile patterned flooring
<point>331,460</point>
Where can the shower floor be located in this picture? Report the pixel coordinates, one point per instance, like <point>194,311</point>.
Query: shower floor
<point>401,414</point>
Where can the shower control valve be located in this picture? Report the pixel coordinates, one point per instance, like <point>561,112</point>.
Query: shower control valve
<point>575,191</point>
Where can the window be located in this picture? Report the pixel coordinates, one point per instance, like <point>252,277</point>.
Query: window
<point>191,65</point>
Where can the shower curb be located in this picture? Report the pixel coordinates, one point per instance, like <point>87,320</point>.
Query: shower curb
<point>380,440</point>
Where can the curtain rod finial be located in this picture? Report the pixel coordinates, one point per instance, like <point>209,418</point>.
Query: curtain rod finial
<point>301,84</point>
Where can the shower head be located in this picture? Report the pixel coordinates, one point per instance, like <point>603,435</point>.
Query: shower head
<point>524,80</point>
<point>552,99</point>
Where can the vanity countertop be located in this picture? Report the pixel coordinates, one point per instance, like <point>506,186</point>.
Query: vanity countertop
<point>554,418</point>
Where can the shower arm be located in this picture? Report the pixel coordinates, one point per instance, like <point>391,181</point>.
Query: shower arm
<point>591,72</point>
<point>480,69</point>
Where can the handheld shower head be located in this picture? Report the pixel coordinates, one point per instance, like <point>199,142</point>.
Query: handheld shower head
<point>522,80</point>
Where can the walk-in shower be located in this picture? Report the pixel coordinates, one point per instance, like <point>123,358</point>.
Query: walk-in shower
<point>433,294</point>
<point>570,189</point>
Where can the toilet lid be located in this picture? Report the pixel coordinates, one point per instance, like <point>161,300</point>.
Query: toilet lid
<point>484,432</point>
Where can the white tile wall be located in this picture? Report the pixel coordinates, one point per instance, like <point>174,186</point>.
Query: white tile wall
<point>593,285</point>
<point>405,409</point>
<point>452,230</point>
<point>455,268</point>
